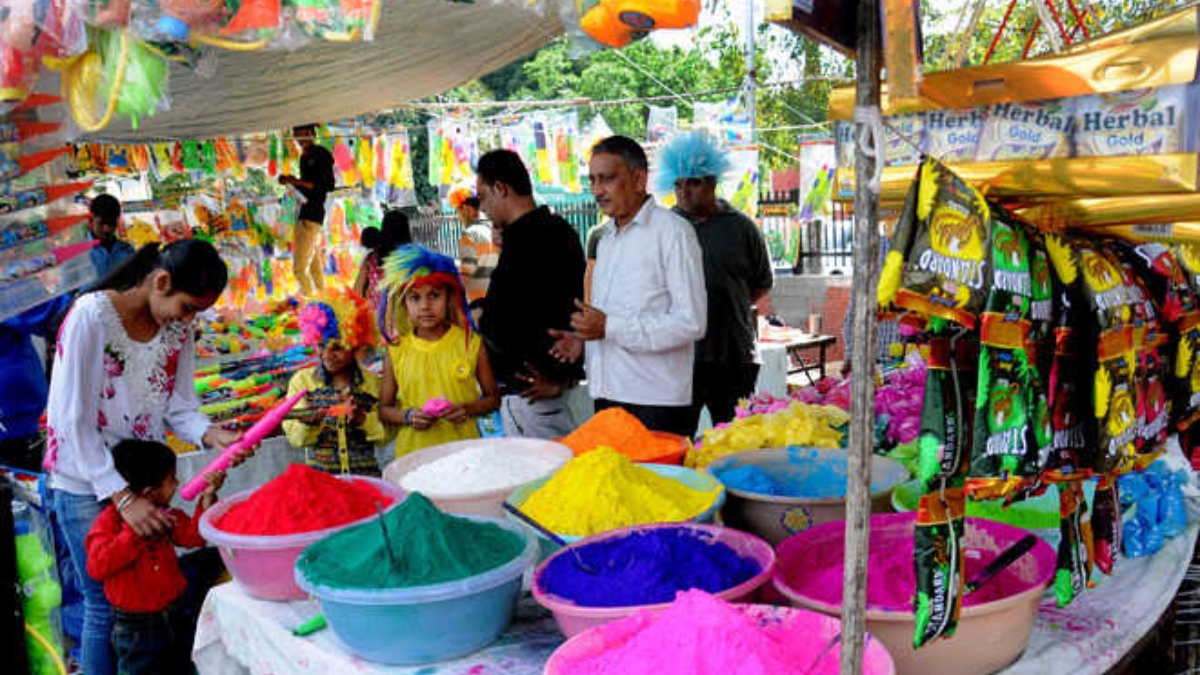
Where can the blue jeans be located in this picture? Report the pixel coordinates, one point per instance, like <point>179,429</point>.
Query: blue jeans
<point>76,514</point>
<point>150,643</point>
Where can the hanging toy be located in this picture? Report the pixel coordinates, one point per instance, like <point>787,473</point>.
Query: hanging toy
<point>180,17</point>
<point>617,22</point>
<point>119,70</point>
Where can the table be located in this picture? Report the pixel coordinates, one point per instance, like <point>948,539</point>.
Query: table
<point>238,634</point>
<point>796,346</point>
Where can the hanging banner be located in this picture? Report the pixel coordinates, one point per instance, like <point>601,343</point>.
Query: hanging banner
<point>818,164</point>
<point>740,185</point>
<point>453,151</point>
<point>661,123</point>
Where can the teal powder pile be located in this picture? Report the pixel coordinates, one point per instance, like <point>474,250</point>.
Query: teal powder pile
<point>429,547</point>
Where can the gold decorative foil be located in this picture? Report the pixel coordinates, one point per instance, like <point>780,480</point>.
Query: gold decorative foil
<point>1095,212</point>
<point>1153,63</point>
<point>902,54</point>
<point>1168,232</point>
<point>1060,177</point>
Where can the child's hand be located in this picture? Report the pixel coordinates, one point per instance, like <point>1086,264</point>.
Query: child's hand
<point>421,421</point>
<point>214,480</point>
<point>456,414</point>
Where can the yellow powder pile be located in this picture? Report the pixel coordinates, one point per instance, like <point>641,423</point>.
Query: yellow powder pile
<point>602,490</point>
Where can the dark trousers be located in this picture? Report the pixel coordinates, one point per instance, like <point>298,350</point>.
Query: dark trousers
<point>23,452</point>
<point>151,643</point>
<point>672,419</point>
<point>719,387</point>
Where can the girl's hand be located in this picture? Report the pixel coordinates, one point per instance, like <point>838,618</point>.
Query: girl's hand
<point>456,414</point>
<point>218,438</point>
<point>214,480</point>
<point>146,519</point>
<point>421,421</point>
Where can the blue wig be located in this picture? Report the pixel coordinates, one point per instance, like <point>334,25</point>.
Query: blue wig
<point>689,155</point>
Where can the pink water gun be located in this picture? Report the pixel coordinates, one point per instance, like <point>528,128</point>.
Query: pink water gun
<point>248,440</point>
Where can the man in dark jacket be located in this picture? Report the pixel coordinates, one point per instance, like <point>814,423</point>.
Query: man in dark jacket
<point>314,184</point>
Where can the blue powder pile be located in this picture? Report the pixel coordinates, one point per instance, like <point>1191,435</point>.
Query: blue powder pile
<point>646,568</point>
<point>817,481</point>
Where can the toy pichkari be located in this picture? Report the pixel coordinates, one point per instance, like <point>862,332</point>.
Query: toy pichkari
<point>614,22</point>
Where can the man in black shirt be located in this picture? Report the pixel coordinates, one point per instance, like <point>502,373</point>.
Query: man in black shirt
<point>534,288</point>
<point>314,184</point>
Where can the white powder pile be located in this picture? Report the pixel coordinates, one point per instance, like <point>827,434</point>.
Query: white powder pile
<point>477,469</point>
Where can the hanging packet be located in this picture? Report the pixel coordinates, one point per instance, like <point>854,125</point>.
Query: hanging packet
<point>1074,568</point>
<point>938,563</point>
<point>1106,524</point>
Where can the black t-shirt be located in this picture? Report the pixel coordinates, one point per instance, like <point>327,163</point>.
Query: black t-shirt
<point>533,289</point>
<point>316,167</point>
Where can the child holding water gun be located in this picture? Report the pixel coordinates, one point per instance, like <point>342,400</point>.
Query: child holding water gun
<point>436,373</point>
<point>123,368</point>
<point>141,577</point>
<point>339,324</point>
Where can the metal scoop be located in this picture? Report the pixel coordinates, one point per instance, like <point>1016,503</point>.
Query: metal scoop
<point>551,536</point>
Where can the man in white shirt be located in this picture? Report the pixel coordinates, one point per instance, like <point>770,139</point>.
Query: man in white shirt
<point>648,306</point>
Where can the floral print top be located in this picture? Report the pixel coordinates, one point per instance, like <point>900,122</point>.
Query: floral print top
<point>108,387</point>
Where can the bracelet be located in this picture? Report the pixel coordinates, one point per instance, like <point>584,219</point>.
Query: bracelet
<point>408,417</point>
<point>125,500</point>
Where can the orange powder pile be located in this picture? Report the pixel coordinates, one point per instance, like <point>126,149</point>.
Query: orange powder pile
<point>615,428</point>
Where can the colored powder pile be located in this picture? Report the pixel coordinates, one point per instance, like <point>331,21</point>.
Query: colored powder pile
<point>615,428</point>
<point>891,581</point>
<point>801,473</point>
<point>646,568</point>
<point>428,546</point>
<point>602,490</point>
<point>302,499</point>
<point>476,469</point>
<point>702,635</point>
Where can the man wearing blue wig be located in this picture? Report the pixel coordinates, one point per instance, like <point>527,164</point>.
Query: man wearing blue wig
<point>737,273</point>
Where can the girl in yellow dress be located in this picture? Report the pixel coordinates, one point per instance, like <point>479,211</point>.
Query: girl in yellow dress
<point>436,374</point>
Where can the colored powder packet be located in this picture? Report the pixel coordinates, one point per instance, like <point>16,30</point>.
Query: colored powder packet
<point>938,562</point>
<point>1106,524</point>
<point>645,568</point>
<point>1025,131</point>
<point>302,499</point>
<point>1073,570</point>
<point>939,257</point>
<point>1155,121</point>
<point>954,135</point>
<point>701,635</point>
<point>436,407</point>
<point>1073,449</point>
<point>429,547</point>
<point>603,490</point>
<point>945,441</point>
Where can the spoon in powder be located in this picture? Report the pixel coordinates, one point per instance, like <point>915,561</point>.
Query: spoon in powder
<point>551,536</point>
<point>1009,556</point>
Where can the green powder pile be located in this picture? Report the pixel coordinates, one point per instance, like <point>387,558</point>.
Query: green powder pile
<point>429,547</point>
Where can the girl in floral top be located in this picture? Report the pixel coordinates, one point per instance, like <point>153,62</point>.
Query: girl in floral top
<point>123,368</point>
<point>436,374</point>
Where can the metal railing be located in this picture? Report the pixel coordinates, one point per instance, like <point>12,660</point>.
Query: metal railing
<point>441,231</point>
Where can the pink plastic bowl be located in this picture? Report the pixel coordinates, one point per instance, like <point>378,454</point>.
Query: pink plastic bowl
<point>809,627</point>
<point>573,619</point>
<point>262,564</point>
<point>991,634</point>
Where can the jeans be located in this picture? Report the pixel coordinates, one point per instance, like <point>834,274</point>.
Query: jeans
<point>669,418</point>
<point>151,643</point>
<point>76,514</point>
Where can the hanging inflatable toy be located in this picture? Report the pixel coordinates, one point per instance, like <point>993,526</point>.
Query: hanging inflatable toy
<point>119,70</point>
<point>616,22</point>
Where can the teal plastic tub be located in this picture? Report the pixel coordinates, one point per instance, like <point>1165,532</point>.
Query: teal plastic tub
<point>425,624</point>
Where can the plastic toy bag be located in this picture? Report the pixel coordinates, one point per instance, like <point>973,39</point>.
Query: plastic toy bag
<point>336,20</point>
<point>938,262</point>
<point>175,20</point>
<point>37,585</point>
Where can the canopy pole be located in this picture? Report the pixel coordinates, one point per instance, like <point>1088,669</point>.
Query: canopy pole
<point>862,339</point>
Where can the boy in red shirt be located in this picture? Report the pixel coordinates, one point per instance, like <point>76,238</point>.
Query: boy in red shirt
<point>141,577</point>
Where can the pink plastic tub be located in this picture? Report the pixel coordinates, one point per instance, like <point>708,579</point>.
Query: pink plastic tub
<point>573,619</point>
<point>996,621</point>
<point>811,629</point>
<point>262,565</point>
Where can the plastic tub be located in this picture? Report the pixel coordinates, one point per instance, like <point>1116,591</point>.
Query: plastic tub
<point>423,624</point>
<point>573,619</point>
<point>486,502</point>
<point>689,477</point>
<point>990,635</point>
<point>262,564</point>
<point>775,517</point>
<point>810,627</point>
<point>675,456</point>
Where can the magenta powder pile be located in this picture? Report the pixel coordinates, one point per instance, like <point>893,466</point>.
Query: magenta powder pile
<point>891,581</point>
<point>701,635</point>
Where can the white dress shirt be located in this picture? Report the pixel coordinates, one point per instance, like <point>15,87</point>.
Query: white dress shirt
<point>108,387</point>
<point>649,282</point>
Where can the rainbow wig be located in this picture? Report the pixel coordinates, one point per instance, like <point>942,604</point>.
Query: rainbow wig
<point>689,155</point>
<point>338,316</point>
<point>409,266</point>
<point>459,195</point>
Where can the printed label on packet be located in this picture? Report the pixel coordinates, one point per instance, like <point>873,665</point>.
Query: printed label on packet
<point>1039,130</point>
<point>954,135</point>
<point>897,152</point>
<point>938,564</point>
<point>1136,122</point>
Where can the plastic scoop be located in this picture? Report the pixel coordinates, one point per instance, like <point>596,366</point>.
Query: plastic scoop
<point>551,536</point>
<point>1007,557</point>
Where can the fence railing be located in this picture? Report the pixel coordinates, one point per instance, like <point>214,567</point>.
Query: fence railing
<point>819,246</point>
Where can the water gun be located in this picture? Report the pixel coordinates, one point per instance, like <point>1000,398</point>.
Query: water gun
<point>225,407</point>
<point>20,233</point>
<point>337,410</point>
<point>615,22</point>
<point>248,440</point>
<point>207,383</point>
<point>39,196</point>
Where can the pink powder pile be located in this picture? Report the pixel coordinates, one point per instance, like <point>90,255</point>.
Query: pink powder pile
<point>891,580</point>
<point>702,635</point>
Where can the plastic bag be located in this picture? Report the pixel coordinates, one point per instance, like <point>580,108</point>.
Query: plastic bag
<point>937,560</point>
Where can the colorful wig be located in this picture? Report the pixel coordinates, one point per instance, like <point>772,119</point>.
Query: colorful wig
<point>409,266</point>
<point>689,155</point>
<point>338,316</point>
<point>459,195</point>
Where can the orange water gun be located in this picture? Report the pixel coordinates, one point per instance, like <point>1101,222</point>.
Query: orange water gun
<point>616,22</point>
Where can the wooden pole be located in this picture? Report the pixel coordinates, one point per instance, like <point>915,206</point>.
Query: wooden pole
<point>862,339</point>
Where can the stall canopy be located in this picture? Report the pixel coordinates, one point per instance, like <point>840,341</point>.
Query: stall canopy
<point>421,47</point>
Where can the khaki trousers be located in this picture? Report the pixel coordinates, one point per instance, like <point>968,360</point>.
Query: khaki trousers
<point>308,258</point>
